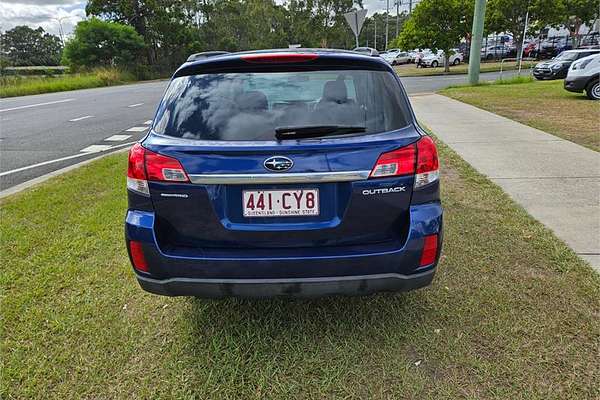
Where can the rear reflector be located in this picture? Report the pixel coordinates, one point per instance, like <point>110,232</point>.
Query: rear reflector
<point>137,256</point>
<point>145,165</point>
<point>429,253</point>
<point>395,163</point>
<point>267,58</point>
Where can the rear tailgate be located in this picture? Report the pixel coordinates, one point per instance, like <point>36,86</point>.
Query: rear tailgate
<point>210,213</point>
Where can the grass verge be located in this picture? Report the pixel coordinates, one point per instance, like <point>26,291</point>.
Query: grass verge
<point>544,105</point>
<point>11,86</point>
<point>412,70</point>
<point>512,313</point>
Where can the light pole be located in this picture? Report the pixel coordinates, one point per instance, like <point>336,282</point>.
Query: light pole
<point>387,18</point>
<point>476,36</point>
<point>397,16</point>
<point>60,28</point>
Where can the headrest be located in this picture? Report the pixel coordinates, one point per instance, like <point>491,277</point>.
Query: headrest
<point>335,91</point>
<point>253,101</point>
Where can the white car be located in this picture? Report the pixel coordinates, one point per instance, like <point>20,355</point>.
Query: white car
<point>390,55</point>
<point>584,74</point>
<point>492,52</point>
<point>435,60</point>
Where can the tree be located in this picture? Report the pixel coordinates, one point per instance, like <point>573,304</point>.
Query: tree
<point>509,16</point>
<point>102,43</point>
<point>438,25</point>
<point>377,20</point>
<point>23,45</point>
<point>577,12</point>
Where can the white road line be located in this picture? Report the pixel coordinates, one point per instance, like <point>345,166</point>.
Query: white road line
<point>137,129</point>
<point>96,148</point>
<point>36,105</point>
<point>60,159</point>
<point>135,105</point>
<point>117,138</point>
<point>148,122</point>
<point>81,118</point>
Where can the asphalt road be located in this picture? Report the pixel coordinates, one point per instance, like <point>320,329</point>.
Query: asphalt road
<point>44,133</point>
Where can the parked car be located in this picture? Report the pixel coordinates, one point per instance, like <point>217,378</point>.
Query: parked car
<point>584,75</point>
<point>553,46</point>
<point>558,67</point>
<point>367,50</point>
<point>435,60</point>
<point>495,52</point>
<point>389,55</point>
<point>402,57</point>
<point>284,173</point>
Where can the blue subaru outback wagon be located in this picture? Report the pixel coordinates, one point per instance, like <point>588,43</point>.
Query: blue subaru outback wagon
<point>284,173</point>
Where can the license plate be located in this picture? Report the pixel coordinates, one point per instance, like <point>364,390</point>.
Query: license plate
<point>280,203</point>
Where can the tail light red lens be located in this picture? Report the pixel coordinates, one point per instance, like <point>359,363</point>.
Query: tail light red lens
<point>428,165</point>
<point>137,256</point>
<point>136,171</point>
<point>268,58</point>
<point>163,168</point>
<point>427,159</point>
<point>420,159</point>
<point>145,165</point>
<point>395,163</point>
<point>136,162</point>
<point>430,245</point>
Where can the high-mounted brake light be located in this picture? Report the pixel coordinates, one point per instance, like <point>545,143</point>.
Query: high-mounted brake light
<point>145,165</point>
<point>267,58</point>
<point>395,163</point>
<point>137,256</point>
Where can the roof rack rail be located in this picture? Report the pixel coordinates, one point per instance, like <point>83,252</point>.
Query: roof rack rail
<point>205,54</point>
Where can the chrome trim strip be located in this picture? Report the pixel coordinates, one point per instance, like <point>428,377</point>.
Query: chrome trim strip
<point>282,177</point>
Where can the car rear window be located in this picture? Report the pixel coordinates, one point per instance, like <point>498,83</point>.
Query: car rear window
<point>251,106</point>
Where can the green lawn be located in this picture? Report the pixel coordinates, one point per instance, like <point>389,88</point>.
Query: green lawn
<point>543,105</point>
<point>512,313</point>
<point>412,70</point>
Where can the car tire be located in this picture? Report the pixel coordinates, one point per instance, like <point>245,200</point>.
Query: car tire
<point>456,61</point>
<point>434,64</point>
<point>593,90</point>
<point>489,57</point>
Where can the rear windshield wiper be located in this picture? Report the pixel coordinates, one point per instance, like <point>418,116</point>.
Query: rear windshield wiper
<point>314,131</point>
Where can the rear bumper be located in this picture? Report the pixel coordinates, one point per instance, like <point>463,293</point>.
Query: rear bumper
<point>294,287</point>
<point>304,272</point>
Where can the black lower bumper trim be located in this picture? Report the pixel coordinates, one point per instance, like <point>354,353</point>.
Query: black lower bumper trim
<point>576,84</point>
<point>296,287</point>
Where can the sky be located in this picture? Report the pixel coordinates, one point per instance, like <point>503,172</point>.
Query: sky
<point>47,13</point>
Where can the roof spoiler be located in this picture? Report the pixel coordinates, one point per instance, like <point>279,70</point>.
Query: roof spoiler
<point>205,54</point>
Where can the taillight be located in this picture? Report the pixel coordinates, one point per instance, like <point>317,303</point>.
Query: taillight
<point>395,163</point>
<point>137,256</point>
<point>419,159</point>
<point>267,58</point>
<point>430,244</point>
<point>145,165</point>
<point>163,168</point>
<point>136,171</point>
<point>428,167</point>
